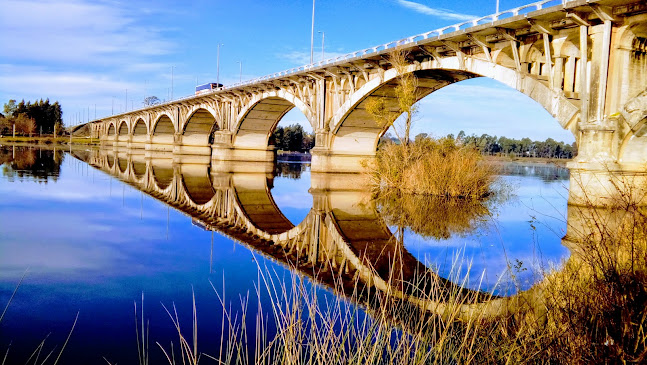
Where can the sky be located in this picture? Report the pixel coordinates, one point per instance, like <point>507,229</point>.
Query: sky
<point>100,56</point>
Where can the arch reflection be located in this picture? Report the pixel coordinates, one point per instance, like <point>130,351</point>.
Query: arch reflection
<point>343,243</point>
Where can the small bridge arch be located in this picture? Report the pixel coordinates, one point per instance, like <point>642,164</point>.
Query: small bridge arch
<point>163,131</point>
<point>199,127</point>
<point>258,119</point>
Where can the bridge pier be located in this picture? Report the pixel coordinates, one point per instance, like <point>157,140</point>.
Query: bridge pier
<point>324,160</point>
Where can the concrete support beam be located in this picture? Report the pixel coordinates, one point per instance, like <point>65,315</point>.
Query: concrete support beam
<point>584,84</point>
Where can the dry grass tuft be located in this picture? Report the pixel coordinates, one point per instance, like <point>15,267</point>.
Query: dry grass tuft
<point>433,167</point>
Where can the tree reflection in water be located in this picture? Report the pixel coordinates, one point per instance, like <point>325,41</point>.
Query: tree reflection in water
<point>30,162</point>
<point>433,216</point>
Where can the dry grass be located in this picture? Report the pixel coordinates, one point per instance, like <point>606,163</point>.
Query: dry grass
<point>432,167</point>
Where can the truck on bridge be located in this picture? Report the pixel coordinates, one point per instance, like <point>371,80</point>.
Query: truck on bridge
<point>201,89</point>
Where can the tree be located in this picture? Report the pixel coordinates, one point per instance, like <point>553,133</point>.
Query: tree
<point>10,107</point>
<point>406,94</point>
<point>24,124</point>
<point>5,125</point>
<point>151,100</point>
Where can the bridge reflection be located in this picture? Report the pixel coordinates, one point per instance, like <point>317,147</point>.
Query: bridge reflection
<point>343,243</point>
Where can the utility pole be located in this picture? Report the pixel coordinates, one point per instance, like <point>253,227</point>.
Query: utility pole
<point>172,67</point>
<point>218,64</point>
<point>497,7</point>
<point>240,77</point>
<point>113,106</point>
<point>323,37</point>
<point>312,33</point>
<point>126,106</point>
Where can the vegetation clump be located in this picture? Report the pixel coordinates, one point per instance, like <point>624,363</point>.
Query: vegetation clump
<point>439,167</point>
<point>428,166</point>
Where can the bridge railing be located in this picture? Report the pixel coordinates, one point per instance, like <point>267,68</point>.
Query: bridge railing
<point>418,37</point>
<point>524,9</point>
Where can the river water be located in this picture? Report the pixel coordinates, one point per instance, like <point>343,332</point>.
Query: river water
<point>94,231</point>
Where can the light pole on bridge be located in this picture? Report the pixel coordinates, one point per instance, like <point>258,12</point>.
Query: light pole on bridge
<point>312,33</point>
<point>172,67</point>
<point>240,77</point>
<point>323,37</point>
<point>218,64</point>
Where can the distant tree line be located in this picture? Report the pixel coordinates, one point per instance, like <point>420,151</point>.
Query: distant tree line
<point>493,145</point>
<point>525,147</point>
<point>29,118</point>
<point>293,138</point>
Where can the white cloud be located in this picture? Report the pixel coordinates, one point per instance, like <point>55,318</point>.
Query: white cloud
<point>438,13</point>
<point>75,31</point>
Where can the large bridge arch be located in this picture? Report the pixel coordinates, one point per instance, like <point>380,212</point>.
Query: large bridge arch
<point>258,119</point>
<point>199,126</point>
<point>355,132</point>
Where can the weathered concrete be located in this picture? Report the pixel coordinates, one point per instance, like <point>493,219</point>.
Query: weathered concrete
<point>585,62</point>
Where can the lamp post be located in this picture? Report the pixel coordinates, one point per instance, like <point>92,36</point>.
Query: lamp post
<point>240,77</point>
<point>172,67</point>
<point>323,37</point>
<point>312,33</point>
<point>497,6</point>
<point>218,64</point>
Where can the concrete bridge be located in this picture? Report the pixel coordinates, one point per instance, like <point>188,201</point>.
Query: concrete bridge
<point>585,62</point>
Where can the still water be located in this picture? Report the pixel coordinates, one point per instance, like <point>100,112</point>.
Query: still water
<point>93,231</point>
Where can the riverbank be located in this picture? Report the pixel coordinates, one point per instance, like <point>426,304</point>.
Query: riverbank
<point>525,160</point>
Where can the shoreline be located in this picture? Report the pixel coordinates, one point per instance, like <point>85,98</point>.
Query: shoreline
<point>285,155</point>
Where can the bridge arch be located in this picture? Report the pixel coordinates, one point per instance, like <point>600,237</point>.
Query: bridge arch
<point>140,131</point>
<point>122,165</point>
<point>162,174</point>
<point>199,127</point>
<point>258,119</point>
<point>112,131</point>
<point>254,201</point>
<point>196,184</point>
<point>163,131</point>
<point>355,132</point>
<point>123,133</point>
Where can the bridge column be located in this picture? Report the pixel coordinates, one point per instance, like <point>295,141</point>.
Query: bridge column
<point>599,174</point>
<point>324,159</point>
<point>183,148</point>
<point>223,149</point>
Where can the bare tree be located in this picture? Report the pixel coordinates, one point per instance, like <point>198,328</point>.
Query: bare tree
<point>151,100</point>
<point>406,92</point>
<point>25,125</point>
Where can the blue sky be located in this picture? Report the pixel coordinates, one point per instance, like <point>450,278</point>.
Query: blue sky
<point>85,53</point>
